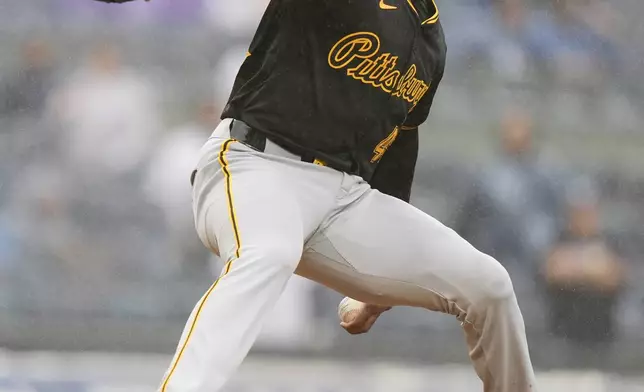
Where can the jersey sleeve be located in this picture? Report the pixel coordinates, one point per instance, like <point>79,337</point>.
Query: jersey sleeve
<point>395,171</point>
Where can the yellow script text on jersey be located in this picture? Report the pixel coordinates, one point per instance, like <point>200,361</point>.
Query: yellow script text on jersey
<point>359,54</point>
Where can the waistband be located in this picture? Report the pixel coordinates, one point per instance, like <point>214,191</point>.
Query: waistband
<point>257,140</point>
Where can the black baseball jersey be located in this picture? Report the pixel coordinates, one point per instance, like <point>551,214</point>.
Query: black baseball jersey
<point>341,79</point>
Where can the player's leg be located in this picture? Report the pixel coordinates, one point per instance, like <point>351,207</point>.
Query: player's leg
<point>245,209</point>
<point>382,250</point>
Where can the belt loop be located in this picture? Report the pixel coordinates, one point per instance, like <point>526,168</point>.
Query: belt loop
<point>243,133</point>
<point>308,157</point>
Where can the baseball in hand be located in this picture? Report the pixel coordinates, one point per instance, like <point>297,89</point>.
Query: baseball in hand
<point>349,309</point>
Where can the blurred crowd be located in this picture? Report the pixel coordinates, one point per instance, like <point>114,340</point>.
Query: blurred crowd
<point>544,226</point>
<point>100,128</point>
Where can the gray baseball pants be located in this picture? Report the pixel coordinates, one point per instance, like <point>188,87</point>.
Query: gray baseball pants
<point>269,215</point>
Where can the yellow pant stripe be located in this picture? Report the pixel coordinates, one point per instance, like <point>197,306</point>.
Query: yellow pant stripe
<point>233,219</point>
<point>231,207</point>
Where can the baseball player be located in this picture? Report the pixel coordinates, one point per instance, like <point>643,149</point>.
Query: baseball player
<point>310,171</point>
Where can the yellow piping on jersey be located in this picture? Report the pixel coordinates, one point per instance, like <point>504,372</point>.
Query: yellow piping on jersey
<point>231,211</point>
<point>434,18</point>
<point>412,7</point>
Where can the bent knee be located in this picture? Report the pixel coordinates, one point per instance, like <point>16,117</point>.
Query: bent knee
<point>496,284</point>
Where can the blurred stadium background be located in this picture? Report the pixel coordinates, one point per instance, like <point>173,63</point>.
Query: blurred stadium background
<point>534,151</point>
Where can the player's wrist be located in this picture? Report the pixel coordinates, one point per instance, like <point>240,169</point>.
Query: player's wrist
<point>376,309</point>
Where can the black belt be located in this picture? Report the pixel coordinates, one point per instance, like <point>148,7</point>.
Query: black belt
<point>251,137</point>
<point>255,139</point>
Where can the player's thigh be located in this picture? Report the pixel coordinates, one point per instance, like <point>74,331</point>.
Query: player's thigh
<point>394,248</point>
<point>244,208</point>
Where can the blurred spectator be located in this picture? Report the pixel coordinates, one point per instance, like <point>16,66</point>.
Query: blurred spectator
<point>167,185</point>
<point>583,276</point>
<point>24,91</point>
<point>39,205</point>
<point>573,39</point>
<point>108,121</point>
<point>489,30</point>
<point>512,210</point>
<point>108,115</point>
<point>572,45</point>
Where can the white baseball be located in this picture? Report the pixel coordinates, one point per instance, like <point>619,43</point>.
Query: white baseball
<point>348,309</point>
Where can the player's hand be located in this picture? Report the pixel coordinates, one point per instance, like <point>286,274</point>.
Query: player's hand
<point>360,317</point>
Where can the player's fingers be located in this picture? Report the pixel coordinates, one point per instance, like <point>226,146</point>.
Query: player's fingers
<point>369,323</point>
<point>355,317</point>
<point>352,328</point>
<point>364,325</point>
